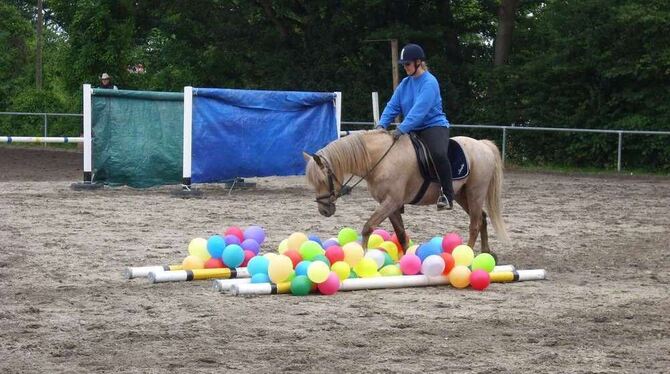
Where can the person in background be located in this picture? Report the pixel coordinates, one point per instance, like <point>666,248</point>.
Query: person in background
<point>106,82</point>
<point>418,99</point>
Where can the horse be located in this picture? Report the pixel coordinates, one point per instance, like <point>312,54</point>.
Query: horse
<point>391,170</point>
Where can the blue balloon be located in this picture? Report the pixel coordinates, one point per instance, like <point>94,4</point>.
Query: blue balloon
<point>427,249</point>
<point>315,238</point>
<point>260,278</point>
<point>233,256</point>
<point>215,246</point>
<point>258,265</point>
<point>301,268</point>
<point>437,241</point>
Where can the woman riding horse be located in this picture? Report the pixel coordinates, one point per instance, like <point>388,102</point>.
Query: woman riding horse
<point>418,99</point>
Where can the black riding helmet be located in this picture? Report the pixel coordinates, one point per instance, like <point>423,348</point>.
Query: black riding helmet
<point>411,53</point>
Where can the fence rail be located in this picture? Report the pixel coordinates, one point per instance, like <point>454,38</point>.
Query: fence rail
<point>504,129</point>
<point>45,139</point>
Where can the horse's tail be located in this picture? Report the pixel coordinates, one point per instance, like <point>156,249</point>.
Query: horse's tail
<point>493,196</point>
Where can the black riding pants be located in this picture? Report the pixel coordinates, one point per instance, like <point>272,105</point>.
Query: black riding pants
<point>437,140</point>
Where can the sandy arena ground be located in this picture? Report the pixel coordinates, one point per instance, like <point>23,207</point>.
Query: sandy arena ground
<point>65,307</point>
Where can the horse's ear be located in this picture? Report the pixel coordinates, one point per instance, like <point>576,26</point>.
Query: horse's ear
<point>306,156</point>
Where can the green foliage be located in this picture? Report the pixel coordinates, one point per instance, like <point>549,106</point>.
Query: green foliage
<point>588,64</point>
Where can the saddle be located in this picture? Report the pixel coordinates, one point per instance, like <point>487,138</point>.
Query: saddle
<point>457,158</point>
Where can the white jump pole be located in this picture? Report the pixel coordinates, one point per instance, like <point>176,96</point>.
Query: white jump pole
<point>133,272</point>
<point>196,274</point>
<point>375,109</point>
<point>402,281</point>
<point>41,139</point>
<point>225,285</point>
<point>188,125</point>
<point>88,146</point>
<point>338,112</point>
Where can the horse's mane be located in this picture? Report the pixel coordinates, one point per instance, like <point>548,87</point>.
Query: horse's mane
<point>344,156</point>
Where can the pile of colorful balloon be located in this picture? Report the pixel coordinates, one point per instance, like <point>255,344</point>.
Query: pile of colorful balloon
<point>312,265</point>
<point>231,250</point>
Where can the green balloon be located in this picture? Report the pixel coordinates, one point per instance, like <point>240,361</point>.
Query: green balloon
<point>352,274</point>
<point>347,235</point>
<point>484,261</point>
<point>309,249</point>
<point>321,258</point>
<point>301,285</point>
<point>387,260</point>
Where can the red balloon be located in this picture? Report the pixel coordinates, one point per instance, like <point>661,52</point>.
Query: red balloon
<point>234,230</point>
<point>449,262</point>
<point>334,253</point>
<point>214,263</point>
<point>248,255</point>
<point>480,279</point>
<point>294,256</point>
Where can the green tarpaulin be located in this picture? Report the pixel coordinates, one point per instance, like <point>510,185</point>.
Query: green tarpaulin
<point>137,137</point>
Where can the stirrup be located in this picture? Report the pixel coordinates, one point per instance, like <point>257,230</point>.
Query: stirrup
<point>443,203</point>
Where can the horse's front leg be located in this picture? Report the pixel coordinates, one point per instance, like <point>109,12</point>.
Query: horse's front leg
<point>383,211</point>
<point>399,228</point>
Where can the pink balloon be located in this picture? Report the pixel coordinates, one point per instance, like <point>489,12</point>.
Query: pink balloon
<point>383,233</point>
<point>451,241</point>
<point>334,254</point>
<point>331,285</point>
<point>410,264</point>
<point>480,279</point>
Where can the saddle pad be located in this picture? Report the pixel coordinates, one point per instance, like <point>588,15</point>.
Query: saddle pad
<point>457,158</point>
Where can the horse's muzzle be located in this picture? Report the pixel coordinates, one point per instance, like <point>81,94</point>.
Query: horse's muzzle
<point>327,210</point>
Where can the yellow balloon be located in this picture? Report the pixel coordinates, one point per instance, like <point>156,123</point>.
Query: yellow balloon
<point>463,255</point>
<point>280,268</point>
<point>295,240</point>
<point>412,250</point>
<point>353,253</point>
<point>318,272</point>
<point>198,247</point>
<point>391,249</point>
<point>342,269</point>
<point>374,241</point>
<point>270,255</point>
<point>193,262</point>
<point>390,270</point>
<point>366,268</point>
<point>283,246</point>
<point>459,276</point>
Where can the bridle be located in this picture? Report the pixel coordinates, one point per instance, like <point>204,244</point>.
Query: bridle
<point>329,198</point>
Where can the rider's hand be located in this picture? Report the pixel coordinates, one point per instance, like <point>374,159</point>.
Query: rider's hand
<point>396,134</point>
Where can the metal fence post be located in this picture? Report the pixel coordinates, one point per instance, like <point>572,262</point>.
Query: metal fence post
<point>46,125</point>
<point>618,158</point>
<point>504,145</point>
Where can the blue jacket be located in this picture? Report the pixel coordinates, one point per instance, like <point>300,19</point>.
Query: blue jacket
<point>419,101</point>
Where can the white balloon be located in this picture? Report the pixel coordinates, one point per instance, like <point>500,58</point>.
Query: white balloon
<point>377,256</point>
<point>432,265</point>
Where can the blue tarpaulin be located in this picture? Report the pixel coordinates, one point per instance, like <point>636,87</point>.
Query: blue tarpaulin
<point>245,133</point>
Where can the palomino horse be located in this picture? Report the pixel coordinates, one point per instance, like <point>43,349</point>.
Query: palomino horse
<point>393,178</point>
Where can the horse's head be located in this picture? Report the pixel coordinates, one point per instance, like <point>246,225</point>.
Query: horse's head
<point>322,179</point>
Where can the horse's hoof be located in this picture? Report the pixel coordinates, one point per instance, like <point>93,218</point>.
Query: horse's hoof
<point>495,257</point>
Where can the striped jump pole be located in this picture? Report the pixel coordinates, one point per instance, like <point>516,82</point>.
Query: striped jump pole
<point>132,272</point>
<point>402,281</point>
<point>41,139</point>
<point>196,274</point>
<point>225,285</point>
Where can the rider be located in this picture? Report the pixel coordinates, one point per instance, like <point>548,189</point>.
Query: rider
<point>418,98</point>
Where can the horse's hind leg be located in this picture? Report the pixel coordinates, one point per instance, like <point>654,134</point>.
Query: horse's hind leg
<point>483,233</point>
<point>399,228</point>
